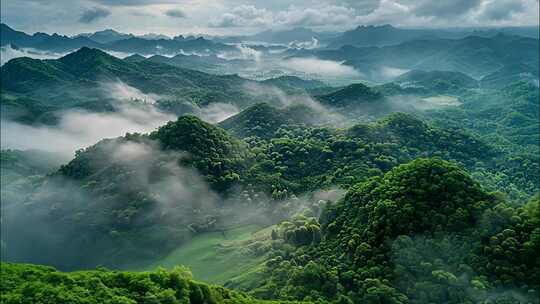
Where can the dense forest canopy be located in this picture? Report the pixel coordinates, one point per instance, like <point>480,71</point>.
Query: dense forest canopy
<point>375,165</point>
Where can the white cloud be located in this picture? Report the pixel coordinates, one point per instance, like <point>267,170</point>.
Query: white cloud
<point>250,16</point>
<point>216,112</point>
<point>122,92</point>
<point>7,53</point>
<point>325,68</point>
<point>79,129</point>
<point>244,15</point>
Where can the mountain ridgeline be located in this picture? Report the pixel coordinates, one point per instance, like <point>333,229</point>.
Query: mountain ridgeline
<point>112,41</point>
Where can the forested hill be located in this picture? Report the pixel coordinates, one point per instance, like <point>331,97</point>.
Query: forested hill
<point>80,76</point>
<point>155,191</point>
<point>424,232</point>
<point>471,247</point>
<point>39,284</point>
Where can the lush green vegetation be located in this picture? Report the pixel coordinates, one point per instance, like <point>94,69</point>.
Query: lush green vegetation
<point>156,191</point>
<point>351,95</point>
<point>80,80</point>
<point>509,120</point>
<point>424,232</point>
<point>219,256</point>
<point>23,283</point>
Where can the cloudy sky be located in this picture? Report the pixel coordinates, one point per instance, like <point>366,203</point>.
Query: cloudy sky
<point>226,17</point>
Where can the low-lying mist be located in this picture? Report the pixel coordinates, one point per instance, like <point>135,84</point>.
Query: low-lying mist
<point>120,91</point>
<point>8,52</point>
<point>278,98</point>
<point>324,68</point>
<point>138,203</point>
<point>134,112</point>
<point>77,129</point>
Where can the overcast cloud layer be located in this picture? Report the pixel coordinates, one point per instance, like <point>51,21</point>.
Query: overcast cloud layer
<point>226,17</point>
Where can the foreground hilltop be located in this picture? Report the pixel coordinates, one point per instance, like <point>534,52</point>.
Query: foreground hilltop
<point>40,284</point>
<point>155,191</point>
<point>424,232</point>
<point>365,248</point>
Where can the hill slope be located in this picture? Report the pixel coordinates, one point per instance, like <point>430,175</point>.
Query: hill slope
<point>351,95</point>
<point>90,78</point>
<point>410,236</point>
<point>437,81</point>
<point>29,283</point>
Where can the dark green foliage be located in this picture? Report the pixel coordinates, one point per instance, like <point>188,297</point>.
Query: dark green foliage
<point>263,120</point>
<point>510,244</point>
<point>217,156</point>
<point>424,195</point>
<point>350,96</point>
<point>122,195</point>
<point>509,120</point>
<point>424,232</point>
<point>300,159</point>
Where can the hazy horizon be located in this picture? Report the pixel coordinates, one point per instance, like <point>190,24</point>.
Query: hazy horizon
<point>242,17</point>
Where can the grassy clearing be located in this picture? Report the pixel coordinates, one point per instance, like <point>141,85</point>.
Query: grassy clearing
<point>215,258</point>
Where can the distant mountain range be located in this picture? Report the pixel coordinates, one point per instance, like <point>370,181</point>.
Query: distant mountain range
<point>291,36</point>
<point>112,41</point>
<point>362,36</point>
<point>386,35</point>
<point>473,55</point>
<point>107,36</point>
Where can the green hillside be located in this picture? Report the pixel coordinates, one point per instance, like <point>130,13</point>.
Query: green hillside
<point>81,80</point>
<point>415,235</point>
<point>217,257</point>
<point>23,283</point>
<point>437,81</point>
<point>351,95</point>
<point>157,191</point>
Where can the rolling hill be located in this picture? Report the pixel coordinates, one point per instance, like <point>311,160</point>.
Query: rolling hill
<point>509,74</point>
<point>421,213</point>
<point>83,79</point>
